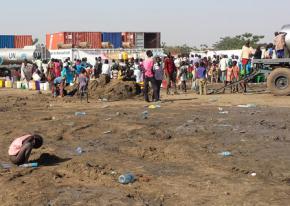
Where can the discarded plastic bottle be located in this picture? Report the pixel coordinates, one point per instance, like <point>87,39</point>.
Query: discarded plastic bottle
<point>79,150</point>
<point>226,154</point>
<point>145,115</point>
<point>126,178</point>
<point>5,165</point>
<point>80,114</point>
<point>28,165</point>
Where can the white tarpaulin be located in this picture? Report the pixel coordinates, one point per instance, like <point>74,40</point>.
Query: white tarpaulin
<point>61,54</point>
<point>89,54</point>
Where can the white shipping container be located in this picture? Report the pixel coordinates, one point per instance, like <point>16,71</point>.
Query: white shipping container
<point>139,41</point>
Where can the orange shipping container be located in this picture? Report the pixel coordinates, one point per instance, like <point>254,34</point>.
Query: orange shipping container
<point>52,40</point>
<point>94,39</point>
<point>20,41</point>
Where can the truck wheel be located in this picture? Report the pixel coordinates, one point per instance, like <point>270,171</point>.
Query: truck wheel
<point>279,82</point>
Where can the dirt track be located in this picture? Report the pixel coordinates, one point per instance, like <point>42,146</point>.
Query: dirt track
<point>174,152</point>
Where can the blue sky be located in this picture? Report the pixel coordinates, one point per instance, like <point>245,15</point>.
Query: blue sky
<point>183,21</point>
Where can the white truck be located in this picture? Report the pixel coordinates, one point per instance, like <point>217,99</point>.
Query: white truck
<point>13,58</point>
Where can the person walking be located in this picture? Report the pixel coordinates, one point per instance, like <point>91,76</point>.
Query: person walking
<point>170,73</point>
<point>158,74</point>
<point>149,77</point>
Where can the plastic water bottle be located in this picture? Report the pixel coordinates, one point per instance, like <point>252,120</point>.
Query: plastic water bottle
<point>80,114</point>
<point>145,115</point>
<point>126,178</point>
<point>28,165</point>
<point>5,165</point>
<point>226,154</point>
<point>79,150</point>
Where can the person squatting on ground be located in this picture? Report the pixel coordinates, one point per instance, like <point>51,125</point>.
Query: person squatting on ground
<point>149,77</point>
<point>20,149</point>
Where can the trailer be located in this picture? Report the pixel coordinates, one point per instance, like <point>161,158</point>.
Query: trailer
<point>278,82</point>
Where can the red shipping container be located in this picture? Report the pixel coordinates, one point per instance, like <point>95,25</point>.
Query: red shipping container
<point>94,39</point>
<point>20,41</point>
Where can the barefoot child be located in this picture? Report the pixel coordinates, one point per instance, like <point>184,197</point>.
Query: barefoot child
<point>236,75</point>
<point>183,76</point>
<point>20,149</point>
<point>229,76</point>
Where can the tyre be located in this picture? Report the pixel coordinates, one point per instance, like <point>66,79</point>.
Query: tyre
<point>279,82</point>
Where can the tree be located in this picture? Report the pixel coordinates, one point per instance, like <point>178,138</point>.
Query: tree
<point>203,47</point>
<point>237,42</point>
<point>181,49</point>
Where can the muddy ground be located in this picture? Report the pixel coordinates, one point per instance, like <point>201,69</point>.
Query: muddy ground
<point>174,153</point>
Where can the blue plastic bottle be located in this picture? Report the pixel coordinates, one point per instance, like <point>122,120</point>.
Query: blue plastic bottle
<point>28,165</point>
<point>126,178</point>
<point>80,114</point>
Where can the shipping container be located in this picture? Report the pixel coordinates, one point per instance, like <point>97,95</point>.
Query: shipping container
<point>128,38</point>
<point>115,38</point>
<point>139,40</point>
<point>152,40</point>
<point>75,39</point>
<point>7,41</point>
<point>20,41</point>
<point>53,40</point>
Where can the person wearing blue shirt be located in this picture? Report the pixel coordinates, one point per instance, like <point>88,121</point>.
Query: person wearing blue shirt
<point>79,68</point>
<point>201,77</point>
<point>67,73</point>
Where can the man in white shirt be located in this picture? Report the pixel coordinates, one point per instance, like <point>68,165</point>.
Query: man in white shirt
<point>106,70</point>
<point>223,67</point>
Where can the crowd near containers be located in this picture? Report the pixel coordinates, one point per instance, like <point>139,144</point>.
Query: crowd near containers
<point>99,40</point>
<point>15,41</point>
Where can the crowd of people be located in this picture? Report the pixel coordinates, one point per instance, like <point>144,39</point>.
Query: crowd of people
<point>176,74</point>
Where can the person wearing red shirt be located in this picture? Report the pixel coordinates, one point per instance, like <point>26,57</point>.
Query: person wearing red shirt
<point>57,68</point>
<point>170,73</point>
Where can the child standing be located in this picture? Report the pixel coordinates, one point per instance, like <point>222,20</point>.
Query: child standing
<point>20,149</point>
<point>201,78</point>
<point>138,77</point>
<point>158,74</point>
<point>236,76</point>
<point>229,76</point>
<point>183,76</point>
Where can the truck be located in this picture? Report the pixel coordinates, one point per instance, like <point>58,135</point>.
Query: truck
<point>13,58</point>
<point>278,81</point>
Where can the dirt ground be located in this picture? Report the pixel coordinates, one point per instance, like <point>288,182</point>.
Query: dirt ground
<point>174,154</point>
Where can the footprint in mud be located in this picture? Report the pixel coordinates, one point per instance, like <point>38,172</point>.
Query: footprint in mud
<point>20,174</point>
<point>242,171</point>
